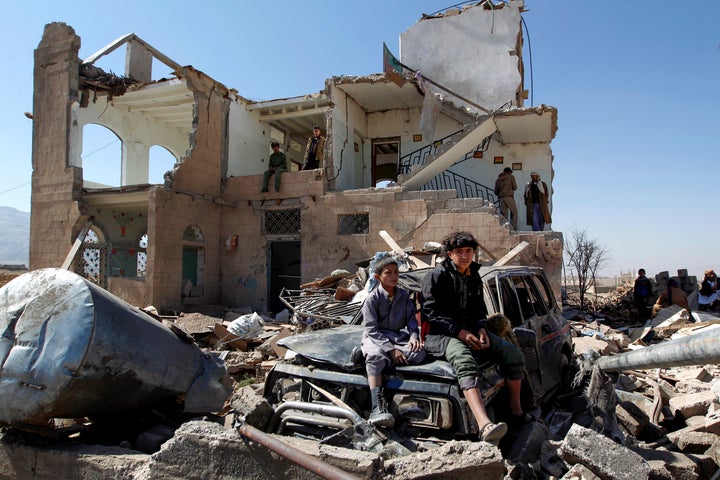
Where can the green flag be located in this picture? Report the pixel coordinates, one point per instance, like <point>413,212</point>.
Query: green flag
<point>392,67</point>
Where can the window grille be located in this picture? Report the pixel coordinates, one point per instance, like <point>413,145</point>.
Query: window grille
<point>282,222</point>
<point>142,256</point>
<point>353,224</point>
<point>92,262</point>
<point>193,233</point>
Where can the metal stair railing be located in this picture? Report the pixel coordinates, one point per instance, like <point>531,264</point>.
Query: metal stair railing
<point>465,187</point>
<point>419,156</point>
<point>449,180</point>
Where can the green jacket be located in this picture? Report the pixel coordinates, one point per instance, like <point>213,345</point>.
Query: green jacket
<point>278,161</point>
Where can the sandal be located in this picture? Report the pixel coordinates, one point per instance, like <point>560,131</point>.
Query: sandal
<point>493,432</point>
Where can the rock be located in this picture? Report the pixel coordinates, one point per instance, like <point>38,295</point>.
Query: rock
<point>602,456</point>
<point>692,404</point>
<point>253,407</point>
<point>669,465</point>
<point>454,460</point>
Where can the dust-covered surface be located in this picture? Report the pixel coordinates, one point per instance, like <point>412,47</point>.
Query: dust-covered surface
<point>654,423</point>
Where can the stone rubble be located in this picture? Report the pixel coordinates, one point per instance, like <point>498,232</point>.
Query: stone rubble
<point>670,419</point>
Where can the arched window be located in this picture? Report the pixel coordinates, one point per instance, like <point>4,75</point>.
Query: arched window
<point>161,161</point>
<point>93,259</point>
<point>193,233</point>
<point>101,157</point>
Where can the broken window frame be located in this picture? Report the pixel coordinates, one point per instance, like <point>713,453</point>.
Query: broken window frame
<point>353,224</point>
<point>535,299</point>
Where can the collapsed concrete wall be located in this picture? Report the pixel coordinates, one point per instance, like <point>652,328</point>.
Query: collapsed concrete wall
<point>486,61</point>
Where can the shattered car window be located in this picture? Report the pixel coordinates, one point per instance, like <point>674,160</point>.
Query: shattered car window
<point>543,291</point>
<point>510,304</point>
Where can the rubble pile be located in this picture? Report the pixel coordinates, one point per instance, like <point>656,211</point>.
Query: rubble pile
<point>668,418</point>
<point>656,423</point>
<point>617,306</point>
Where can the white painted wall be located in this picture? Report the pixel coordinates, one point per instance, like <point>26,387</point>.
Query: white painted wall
<point>136,132</point>
<point>248,142</point>
<point>468,53</point>
<point>533,156</point>
<point>349,124</point>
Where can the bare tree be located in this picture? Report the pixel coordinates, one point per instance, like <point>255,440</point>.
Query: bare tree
<point>585,256</point>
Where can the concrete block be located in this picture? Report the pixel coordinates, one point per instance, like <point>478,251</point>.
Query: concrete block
<point>695,442</point>
<point>675,435</point>
<point>256,410</point>
<point>201,450</point>
<point>692,404</point>
<point>714,451</point>
<point>602,456</point>
<point>699,373</point>
<point>89,462</point>
<point>583,345</point>
<point>669,465</point>
<point>712,420</point>
<point>632,418</point>
<point>706,466</point>
<point>454,460</point>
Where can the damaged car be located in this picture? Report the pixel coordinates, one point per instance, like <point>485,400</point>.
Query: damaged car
<point>320,389</point>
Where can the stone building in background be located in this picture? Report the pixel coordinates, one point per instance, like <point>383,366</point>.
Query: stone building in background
<point>208,236</point>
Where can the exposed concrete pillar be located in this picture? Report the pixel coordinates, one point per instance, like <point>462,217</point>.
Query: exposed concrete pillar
<point>138,62</point>
<point>56,185</point>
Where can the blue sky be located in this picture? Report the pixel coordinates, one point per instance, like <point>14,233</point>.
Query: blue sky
<point>636,151</point>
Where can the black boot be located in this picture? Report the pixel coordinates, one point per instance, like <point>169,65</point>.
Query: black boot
<point>379,416</point>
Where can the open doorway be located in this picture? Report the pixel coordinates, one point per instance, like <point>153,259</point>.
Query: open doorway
<point>284,264</point>
<point>385,158</point>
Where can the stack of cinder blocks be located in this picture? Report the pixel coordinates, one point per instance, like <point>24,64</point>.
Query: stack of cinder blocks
<point>688,283</point>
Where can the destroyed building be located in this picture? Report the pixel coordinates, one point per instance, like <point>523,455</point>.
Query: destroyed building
<point>208,236</point>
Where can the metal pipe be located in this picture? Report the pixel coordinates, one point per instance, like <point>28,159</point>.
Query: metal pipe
<point>698,349</point>
<point>313,420</point>
<point>320,408</point>
<point>308,462</point>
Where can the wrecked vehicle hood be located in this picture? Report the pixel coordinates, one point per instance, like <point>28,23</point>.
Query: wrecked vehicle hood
<point>335,347</point>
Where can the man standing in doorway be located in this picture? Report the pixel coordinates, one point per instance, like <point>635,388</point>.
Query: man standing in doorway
<point>315,150</point>
<point>536,203</point>
<point>505,187</point>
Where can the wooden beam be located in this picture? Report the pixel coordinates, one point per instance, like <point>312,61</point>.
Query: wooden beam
<point>396,248</point>
<point>487,252</point>
<point>511,254</point>
<point>76,246</point>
